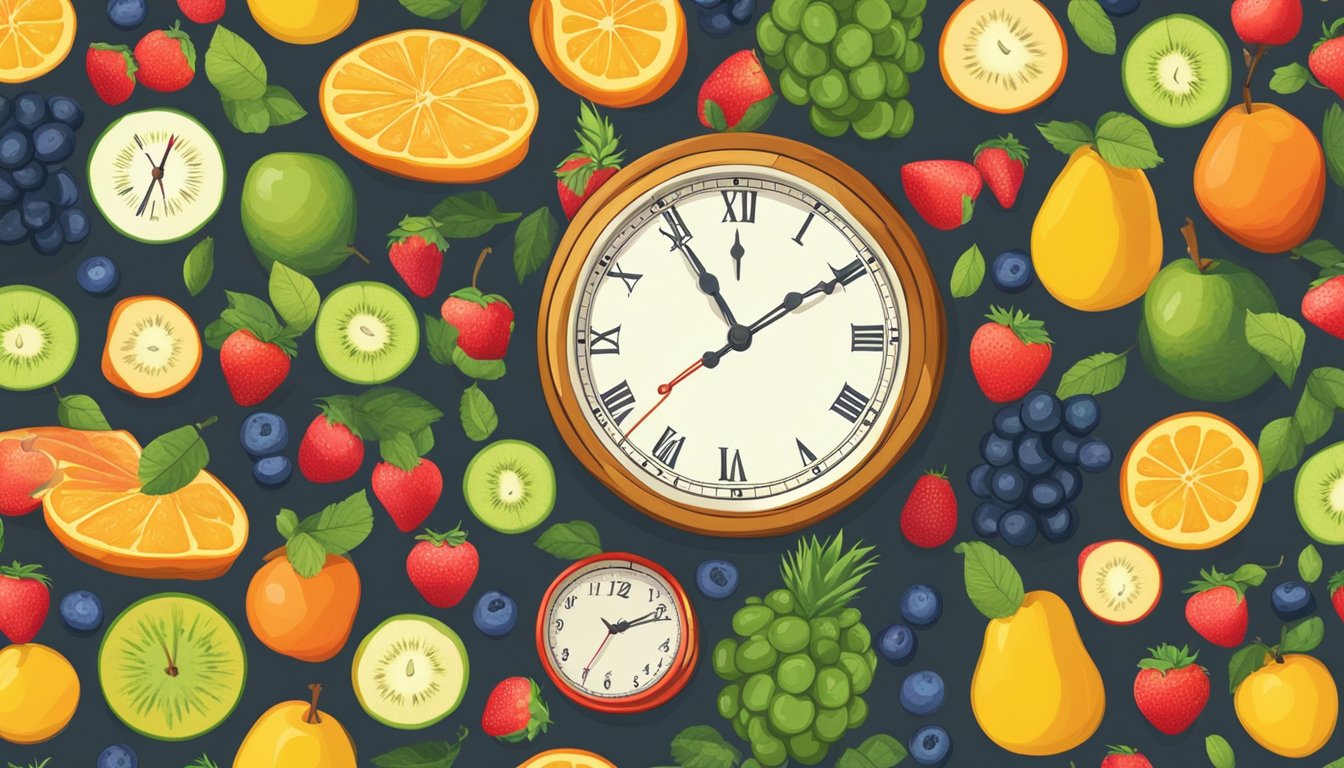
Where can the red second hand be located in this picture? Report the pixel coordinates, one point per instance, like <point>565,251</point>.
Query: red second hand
<point>665,390</point>
<point>587,667</point>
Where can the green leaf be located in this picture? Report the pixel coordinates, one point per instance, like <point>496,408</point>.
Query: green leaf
<point>1332,139</point>
<point>306,554</point>
<point>399,450</point>
<point>479,419</point>
<point>574,540</point>
<point>441,339</point>
<point>1279,340</point>
<point>281,106</point>
<point>432,9</point>
<point>426,754</point>
<point>247,311</point>
<point>1067,137</point>
<point>714,116</point>
<point>1243,663</point>
<point>385,410</point>
<point>217,332</point>
<point>80,412</point>
<point>294,296</point>
<point>992,583</point>
<point>1319,252</point>
<point>342,526</point>
<point>482,370</point>
<point>968,273</point>
<point>883,751</point>
<point>469,214</point>
<point>1304,636</point>
<point>1338,763</point>
<point>1093,375</point>
<point>174,459</point>
<point>701,746</point>
<point>1220,752</point>
<point>1093,25</point>
<point>1125,142</point>
<point>1280,446</point>
<point>756,114</point>
<point>286,522</point>
<point>423,441</point>
<point>234,67</point>
<point>471,10</point>
<point>1309,564</point>
<point>2,535</point>
<point>199,266</point>
<point>533,242</point>
<point>1290,78</point>
<point>248,116</point>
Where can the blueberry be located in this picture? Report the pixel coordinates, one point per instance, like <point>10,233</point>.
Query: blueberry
<point>995,450</point>
<point>62,189</point>
<point>1041,411</point>
<point>716,22</point>
<point>1032,456</point>
<point>1011,271</point>
<point>272,471</point>
<point>716,579</point>
<point>1008,485</point>
<point>1081,414</point>
<point>263,434</point>
<point>12,230</point>
<point>6,109</point>
<point>16,149</point>
<point>30,176</point>
<point>126,14</point>
<point>1018,527</point>
<point>930,745</point>
<point>67,110</point>
<point>74,225</point>
<point>1094,456</point>
<point>1292,600</point>
<point>986,520</point>
<point>495,614</point>
<point>978,480</point>
<point>1008,422</point>
<point>30,109</point>
<point>1120,7</point>
<point>53,143</point>
<point>118,756</point>
<point>9,192</point>
<point>1070,480</point>
<point>1045,495</point>
<point>742,11</point>
<point>97,275</point>
<point>82,611</point>
<point>48,242</point>
<point>922,693</point>
<point>897,643</point>
<point>37,213</point>
<point>708,3</point>
<point>921,605</point>
<point>1059,525</point>
<point>1064,446</point>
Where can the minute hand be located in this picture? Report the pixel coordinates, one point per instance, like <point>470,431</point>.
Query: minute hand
<point>709,284</point>
<point>793,300</point>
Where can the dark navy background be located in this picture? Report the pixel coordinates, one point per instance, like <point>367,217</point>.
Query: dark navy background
<point>945,128</point>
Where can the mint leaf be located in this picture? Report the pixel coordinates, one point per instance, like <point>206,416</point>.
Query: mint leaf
<point>992,583</point>
<point>481,370</point>
<point>1280,446</point>
<point>469,214</point>
<point>1304,636</point>
<point>1290,78</point>
<point>287,523</point>
<point>281,106</point>
<point>1332,139</point>
<point>1093,375</point>
<point>759,112</point>
<point>172,460</point>
<point>1243,663</point>
<point>533,242</point>
<point>574,540</point>
<point>306,554</point>
<point>234,67</point>
<point>1067,137</point>
<point>1220,752</point>
<point>968,273</point>
<point>701,746</point>
<point>440,339</point>
<point>294,296</point>
<point>1279,340</point>
<point>1125,142</point>
<point>248,116</point>
<point>432,9</point>
<point>883,751</point>
<point>423,441</point>
<point>199,266</point>
<point>426,754</point>
<point>479,419</point>
<point>399,450</point>
<point>80,412</point>
<point>340,527</point>
<point>714,116</point>
<point>1322,253</point>
<point>1309,564</point>
<point>471,10</point>
<point>384,410</point>
<point>1093,25</point>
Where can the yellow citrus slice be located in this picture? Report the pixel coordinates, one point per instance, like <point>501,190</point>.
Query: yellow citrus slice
<point>567,758</point>
<point>35,37</point>
<point>431,106</point>
<point>1191,481</point>
<point>620,53</point>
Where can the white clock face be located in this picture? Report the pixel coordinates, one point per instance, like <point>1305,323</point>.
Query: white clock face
<point>737,340</point>
<point>613,629</point>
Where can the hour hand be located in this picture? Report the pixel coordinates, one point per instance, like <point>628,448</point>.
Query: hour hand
<point>737,252</point>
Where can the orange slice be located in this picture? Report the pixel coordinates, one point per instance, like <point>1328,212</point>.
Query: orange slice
<point>431,106</point>
<point>567,758</point>
<point>35,37</point>
<point>619,53</point>
<point>96,510</point>
<point>1191,481</point>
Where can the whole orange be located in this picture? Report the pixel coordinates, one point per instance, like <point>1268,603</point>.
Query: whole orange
<point>1261,178</point>
<point>307,619</point>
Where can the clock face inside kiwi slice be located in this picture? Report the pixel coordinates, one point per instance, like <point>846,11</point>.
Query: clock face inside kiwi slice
<point>38,338</point>
<point>410,672</point>
<point>367,333</point>
<point>157,175</point>
<point>172,667</point>
<point>1177,71</point>
<point>1003,56</point>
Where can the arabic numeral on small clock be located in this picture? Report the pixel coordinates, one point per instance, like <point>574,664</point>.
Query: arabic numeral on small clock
<point>635,681</point>
<point>570,601</point>
<point>666,647</point>
<point>564,654</point>
<point>606,681</point>
<point>559,625</point>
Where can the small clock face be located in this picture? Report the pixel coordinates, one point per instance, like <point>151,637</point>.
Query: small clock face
<point>614,629</point>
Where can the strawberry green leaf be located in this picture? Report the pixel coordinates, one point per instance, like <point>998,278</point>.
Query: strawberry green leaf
<point>423,440</point>
<point>1319,252</point>
<point>1336,581</point>
<point>1015,149</point>
<point>2,535</point>
<point>339,527</point>
<point>534,242</point>
<point>199,266</point>
<point>425,227</point>
<point>481,370</point>
<point>1028,331</point>
<point>1290,78</point>
<point>576,179</point>
<point>598,141</point>
<point>967,208</point>
<point>992,583</point>
<point>479,418</point>
<point>1279,339</point>
<point>398,449</point>
<point>30,572</point>
<point>306,555</point>
<point>1093,375</point>
<point>469,214</point>
<point>968,273</point>
<point>295,297</point>
<point>1166,657</point>
<point>714,116</point>
<point>440,339</point>
<point>286,522</point>
<point>1243,663</point>
<point>756,115</point>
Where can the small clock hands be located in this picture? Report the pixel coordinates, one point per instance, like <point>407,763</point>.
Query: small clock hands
<point>611,632</point>
<point>737,252</point>
<point>156,177</point>
<point>709,284</point>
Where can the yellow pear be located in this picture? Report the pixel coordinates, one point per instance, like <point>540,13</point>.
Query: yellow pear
<point>295,734</point>
<point>1290,705</point>
<point>303,22</point>
<point>1035,691</point>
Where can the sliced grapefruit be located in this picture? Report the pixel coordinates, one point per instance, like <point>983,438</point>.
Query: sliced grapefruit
<point>35,37</point>
<point>567,758</point>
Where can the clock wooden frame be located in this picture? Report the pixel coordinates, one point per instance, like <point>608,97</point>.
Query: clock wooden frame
<point>859,198</point>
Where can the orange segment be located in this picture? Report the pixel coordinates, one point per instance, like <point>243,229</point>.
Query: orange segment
<point>430,105</point>
<point>35,37</point>
<point>567,758</point>
<point>1191,481</point>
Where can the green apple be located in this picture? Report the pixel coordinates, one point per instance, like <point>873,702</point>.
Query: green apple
<point>299,209</point>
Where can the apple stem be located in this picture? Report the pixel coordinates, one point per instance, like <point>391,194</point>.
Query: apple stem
<point>356,252</point>
<point>1253,63</point>
<point>1192,245</point>
<point>313,717</point>
<point>480,261</point>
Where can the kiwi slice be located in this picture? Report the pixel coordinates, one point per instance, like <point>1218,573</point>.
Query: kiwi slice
<point>153,348</point>
<point>510,486</point>
<point>367,333</point>
<point>410,672</point>
<point>172,667</point>
<point>1177,71</point>
<point>38,338</point>
<point>1319,495</point>
<point>1002,55</point>
<point>1120,582</point>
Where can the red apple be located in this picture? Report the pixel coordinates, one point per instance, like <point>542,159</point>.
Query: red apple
<point>1267,22</point>
<point>23,472</point>
<point>484,321</point>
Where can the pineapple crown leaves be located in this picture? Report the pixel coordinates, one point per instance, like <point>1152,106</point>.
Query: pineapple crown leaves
<point>1015,149</point>
<point>34,764</point>
<point>424,227</point>
<point>22,572</point>
<point>454,538</point>
<point>824,576</point>
<point>1166,658</point>
<point>1336,581</point>
<point>203,761</point>
<point>598,144</point>
<point>1027,331</point>
<point>1249,575</point>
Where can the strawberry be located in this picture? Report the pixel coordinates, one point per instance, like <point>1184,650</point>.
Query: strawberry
<point>111,71</point>
<point>1009,354</point>
<point>929,517</point>
<point>443,566</point>
<point>408,497</point>
<point>484,321</point>
<point>1327,59</point>
<point>1124,757</point>
<point>1002,163</point>
<point>943,192</point>
<point>23,472</point>
<point>1267,22</point>
<point>737,95</point>
<point>167,59</point>
<point>515,712</point>
<point>1171,689</point>
<point>1323,305</point>
<point>202,11</point>
<point>1337,593</point>
<point>592,164</point>
<point>25,598</point>
<point>1217,607</point>
<point>253,368</point>
<point>330,452</point>
<point>415,249</point>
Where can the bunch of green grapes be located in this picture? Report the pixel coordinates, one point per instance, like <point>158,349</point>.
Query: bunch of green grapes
<point>795,684</point>
<point>849,59</point>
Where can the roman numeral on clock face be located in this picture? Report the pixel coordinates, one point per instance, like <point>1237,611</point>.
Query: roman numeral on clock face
<point>668,447</point>
<point>866,338</point>
<point>629,278</point>
<point>805,453</point>
<point>850,403</point>
<point>730,466</point>
<point>740,205</point>
<point>604,342</point>
<point>619,400</point>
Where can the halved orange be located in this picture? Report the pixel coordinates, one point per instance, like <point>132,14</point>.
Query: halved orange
<point>567,758</point>
<point>430,105</point>
<point>619,53</point>
<point>1191,481</point>
<point>35,37</point>
<point>96,510</point>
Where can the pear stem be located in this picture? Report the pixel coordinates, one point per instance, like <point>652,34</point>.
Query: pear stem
<point>359,255</point>
<point>1192,245</point>
<point>1253,63</point>
<point>480,261</point>
<point>313,717</point>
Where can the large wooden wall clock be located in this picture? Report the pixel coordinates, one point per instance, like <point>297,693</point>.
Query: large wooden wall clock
<point>739,335</point>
